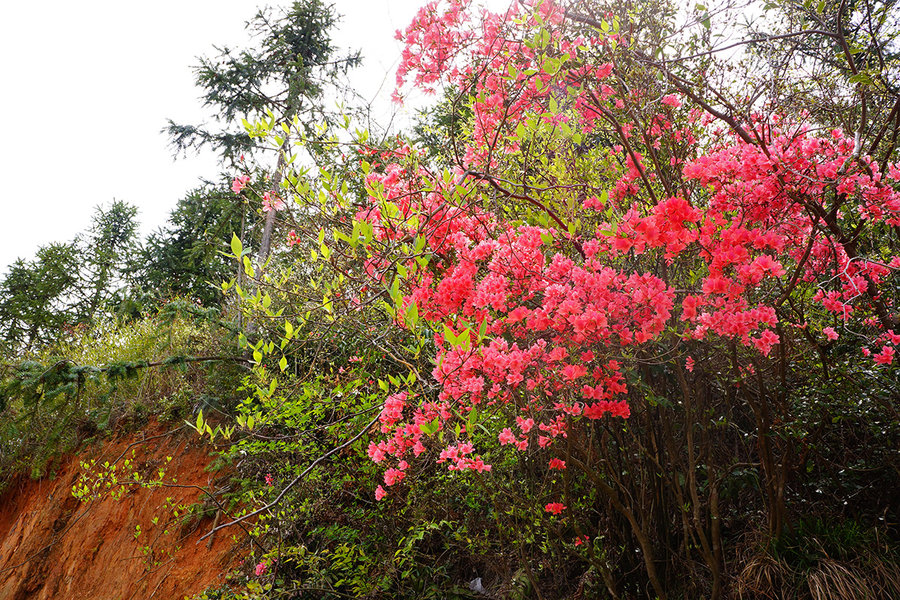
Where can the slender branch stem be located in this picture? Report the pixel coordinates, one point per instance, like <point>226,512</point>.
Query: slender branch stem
<point>295,481</point>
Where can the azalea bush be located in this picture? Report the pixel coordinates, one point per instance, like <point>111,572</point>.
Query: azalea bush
<point>671,319</point>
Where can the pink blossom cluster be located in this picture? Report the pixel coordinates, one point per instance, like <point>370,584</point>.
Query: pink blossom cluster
<point>540,320</point>
<point>239,183</point>
<point>271,202</point>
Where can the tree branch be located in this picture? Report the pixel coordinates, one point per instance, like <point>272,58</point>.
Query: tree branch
<point>295,481</point>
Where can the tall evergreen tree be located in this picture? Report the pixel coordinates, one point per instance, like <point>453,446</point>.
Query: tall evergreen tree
<point>183,257</point>
<point>286,74</point>
<point>36,297</point>
<point>69,283</point>
<point>108,250</point>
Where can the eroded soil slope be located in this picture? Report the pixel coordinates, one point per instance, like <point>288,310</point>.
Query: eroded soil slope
<point>53,546</point>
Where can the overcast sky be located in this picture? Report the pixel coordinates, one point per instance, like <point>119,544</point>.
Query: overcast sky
<point>89,85</point>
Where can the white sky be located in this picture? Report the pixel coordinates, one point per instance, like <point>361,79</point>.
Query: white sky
<point>89,85</point>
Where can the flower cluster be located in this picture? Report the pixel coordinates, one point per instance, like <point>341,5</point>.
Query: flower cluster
<point>541,301</point>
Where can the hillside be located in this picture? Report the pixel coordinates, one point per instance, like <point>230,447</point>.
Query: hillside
<point>616,317</point>
<point>54,546</point>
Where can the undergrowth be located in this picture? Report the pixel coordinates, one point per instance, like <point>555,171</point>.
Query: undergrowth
<point>111,377</point>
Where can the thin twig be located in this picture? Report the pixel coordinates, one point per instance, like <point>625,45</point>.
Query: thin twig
<point>295,481</point>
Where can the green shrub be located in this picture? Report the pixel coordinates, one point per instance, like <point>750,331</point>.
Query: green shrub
<point>104,378</point>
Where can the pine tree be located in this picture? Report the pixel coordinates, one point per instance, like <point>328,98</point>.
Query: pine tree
<point>183,257</point>
<point>108,249</point>
<point>287,75</point>
<point>36,297</point>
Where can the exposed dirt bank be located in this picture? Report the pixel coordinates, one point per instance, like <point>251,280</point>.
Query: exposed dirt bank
<point>53,546</point>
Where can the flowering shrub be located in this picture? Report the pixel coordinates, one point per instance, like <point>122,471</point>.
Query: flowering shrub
<point>541,305</point>
<point>614,282</point>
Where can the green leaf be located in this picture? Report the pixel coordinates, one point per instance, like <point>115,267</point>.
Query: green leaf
<point>465,339</point>
<point>430,428</point>
<point>282,364</point>
<point>236,246</point>
<point>412,315</point>
<point>395,291</point>
<point>449,336</point>
<point>862,77</point>
<point>551,66</point>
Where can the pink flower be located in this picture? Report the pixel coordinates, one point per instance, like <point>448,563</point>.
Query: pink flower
<point>380,493</point>
<point>671,100</point>
<point>418,448</point>
<point>573,372</point>
<point>506,437</point>
<point>260,569</point>
<point>830,333</point>
<point>376,453</point>
<point>524,424</point>
<point>272,202</point>
<point>765,341</point>
<point>392,476</point>
<point>558,464</point>
<point>555,508</point>
<point>239,183</point>
<point>604,70</point>
<point>885,357</point>
<point>270,481</point>
<point>689,363</point>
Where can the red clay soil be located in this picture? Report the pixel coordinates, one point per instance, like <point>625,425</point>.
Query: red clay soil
<point>53,546</point>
